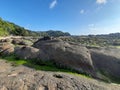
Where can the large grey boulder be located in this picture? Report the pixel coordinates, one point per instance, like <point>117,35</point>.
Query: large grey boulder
<point>107,61</point>
<point>6,48</point>
<point>26,52</point>
<point>21,42</point>
<point>5,40</point>
<point>65,55</point>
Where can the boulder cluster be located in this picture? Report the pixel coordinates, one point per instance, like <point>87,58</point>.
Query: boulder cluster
<point>89,60</point>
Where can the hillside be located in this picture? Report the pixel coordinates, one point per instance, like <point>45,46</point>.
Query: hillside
<point>54,64</point>
<point>54,33</point>
<point>8,28</point>
<point>103,40</point>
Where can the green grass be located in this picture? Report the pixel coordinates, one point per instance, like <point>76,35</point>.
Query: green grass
<point>50,66</point>
<point>15,61</point>
<point>44,66</point>
<point>109,78</point>
<point>117,46</point>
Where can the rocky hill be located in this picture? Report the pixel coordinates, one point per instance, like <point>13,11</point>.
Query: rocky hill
<point>97,68</point>
<point>105,40</point>
<point>8,28</point>
<point>60,63</point>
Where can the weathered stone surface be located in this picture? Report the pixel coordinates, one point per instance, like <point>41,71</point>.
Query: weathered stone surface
<point>74,56</point>
<point>19,42</point>
<point>5,40</point>
<point>107,60</point>
<point>30,79</point>
<point>64,54</point>
<point>27,52</point>
<point>4,66</point>
<point>16,41</point>
<point>6,48</point>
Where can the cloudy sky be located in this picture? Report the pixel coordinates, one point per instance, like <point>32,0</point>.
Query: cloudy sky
<point>74,16</point>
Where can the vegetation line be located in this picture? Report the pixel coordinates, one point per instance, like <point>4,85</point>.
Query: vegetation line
<point>44,66</point>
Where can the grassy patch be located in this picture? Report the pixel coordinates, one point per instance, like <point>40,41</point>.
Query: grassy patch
<point>109,78</point>
<point>117,46</point>
<point>50,66</point>
<point>41,65</point>
<point>15,61</point>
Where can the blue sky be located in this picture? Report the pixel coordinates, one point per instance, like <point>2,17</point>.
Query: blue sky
<point>75,16</point>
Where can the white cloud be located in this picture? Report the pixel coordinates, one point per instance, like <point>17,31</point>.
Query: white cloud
<point>82,11</point>
<point>101,1</point>
<point>53,4</point>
